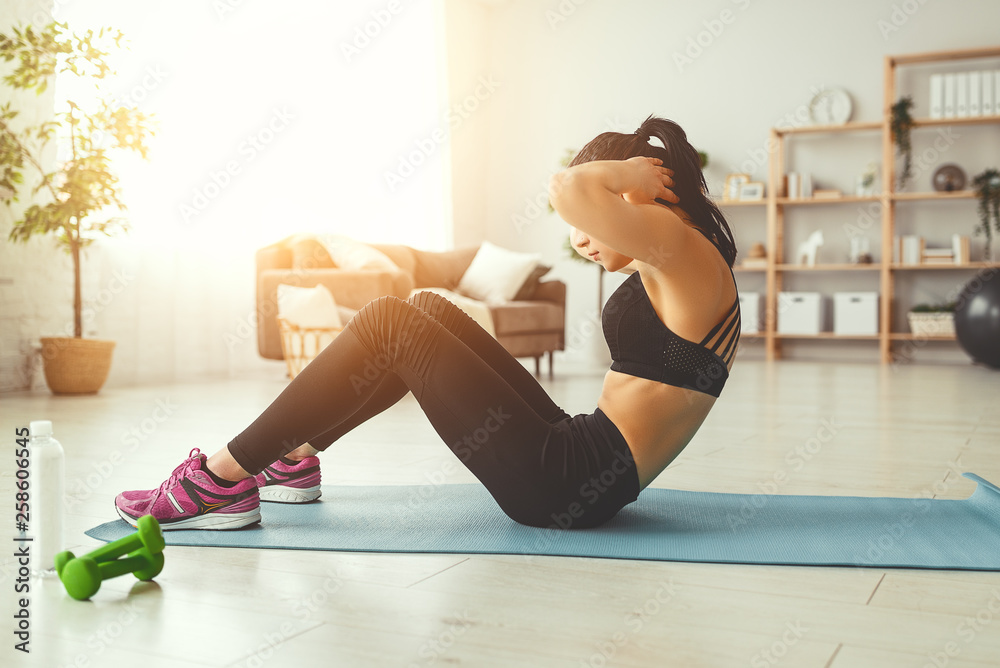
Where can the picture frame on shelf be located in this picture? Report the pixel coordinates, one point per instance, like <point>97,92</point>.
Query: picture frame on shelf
<point>731,190</point>
<point>751,192</point>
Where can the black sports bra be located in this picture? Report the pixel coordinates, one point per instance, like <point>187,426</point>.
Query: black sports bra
<point>641,345</point>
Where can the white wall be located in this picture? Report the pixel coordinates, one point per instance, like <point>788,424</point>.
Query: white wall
<point>471,93</point>
<point>571,69</point>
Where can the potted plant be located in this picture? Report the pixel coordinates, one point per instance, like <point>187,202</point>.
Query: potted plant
<point>932,319</point>
<point>987,185</point>
<point>901,123</point>
<point>77,198</point>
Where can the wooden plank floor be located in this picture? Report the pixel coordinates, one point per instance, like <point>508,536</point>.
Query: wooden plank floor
<point>831,428</point>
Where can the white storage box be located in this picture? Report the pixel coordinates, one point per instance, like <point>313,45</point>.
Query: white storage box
<point>799,312</point>
<point>855,313</point>
<point>750,312</point>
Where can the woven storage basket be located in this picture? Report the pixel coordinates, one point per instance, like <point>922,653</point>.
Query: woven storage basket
<point>76,366</point>
<point>932,324</point>
<point>301,345</point>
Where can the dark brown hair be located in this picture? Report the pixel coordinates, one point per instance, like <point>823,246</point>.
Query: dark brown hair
<point>678,155</point>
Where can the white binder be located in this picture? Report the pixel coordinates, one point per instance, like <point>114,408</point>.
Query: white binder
<point>975,94</point>
<point>961,94</point>
<point>988,103</point>
<point>937,95</point>
<point>949,95</point>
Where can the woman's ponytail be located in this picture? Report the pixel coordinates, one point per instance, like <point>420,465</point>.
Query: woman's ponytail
<point>677,154</point>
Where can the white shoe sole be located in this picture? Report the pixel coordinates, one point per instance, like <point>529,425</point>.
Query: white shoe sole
<point>282,494</point>
<point>212,521</point>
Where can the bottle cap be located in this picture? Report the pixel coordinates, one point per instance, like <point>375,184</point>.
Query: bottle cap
<point>40,428</point>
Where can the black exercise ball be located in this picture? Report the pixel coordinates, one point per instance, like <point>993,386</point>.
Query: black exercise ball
<point>977,318</point>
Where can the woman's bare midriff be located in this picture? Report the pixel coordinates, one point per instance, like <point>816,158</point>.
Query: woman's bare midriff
<point>657,420</point>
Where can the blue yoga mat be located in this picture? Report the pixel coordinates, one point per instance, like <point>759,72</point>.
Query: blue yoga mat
<point>662,524</point>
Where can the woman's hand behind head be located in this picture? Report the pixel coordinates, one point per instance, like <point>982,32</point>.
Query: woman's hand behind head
<point>649,180</point>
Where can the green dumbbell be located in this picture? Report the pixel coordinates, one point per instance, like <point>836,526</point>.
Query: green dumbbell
<point>82,577</point>
<point>149,535</point>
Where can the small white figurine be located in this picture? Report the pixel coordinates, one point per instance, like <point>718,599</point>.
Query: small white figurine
<point>807,250</point>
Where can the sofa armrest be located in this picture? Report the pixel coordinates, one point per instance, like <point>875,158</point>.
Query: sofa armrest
<point>353,289</point>
<point>275,256</point>
<point>550,291</point>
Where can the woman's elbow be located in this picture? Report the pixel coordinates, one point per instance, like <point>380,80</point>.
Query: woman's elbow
<point>557,188</point>
<point>563,188</point>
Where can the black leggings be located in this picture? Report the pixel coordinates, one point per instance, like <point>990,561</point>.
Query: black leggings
<point>543,467</point>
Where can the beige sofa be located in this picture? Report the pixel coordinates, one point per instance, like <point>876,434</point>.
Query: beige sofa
<point>528,327</point>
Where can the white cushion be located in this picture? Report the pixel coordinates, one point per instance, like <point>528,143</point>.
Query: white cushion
<point>353,255</point>
<point>496,274</point>
<point>308,307</point>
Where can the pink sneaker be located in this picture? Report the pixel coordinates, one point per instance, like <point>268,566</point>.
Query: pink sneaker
<point>191,499</point>
<point>286,481</point>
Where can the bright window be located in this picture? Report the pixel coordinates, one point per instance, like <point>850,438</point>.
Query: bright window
<point>277,118</point>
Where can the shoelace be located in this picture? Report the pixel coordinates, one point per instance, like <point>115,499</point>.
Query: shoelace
<point>179,472</point>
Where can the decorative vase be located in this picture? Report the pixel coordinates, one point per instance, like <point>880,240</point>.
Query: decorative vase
<point>76,366</point>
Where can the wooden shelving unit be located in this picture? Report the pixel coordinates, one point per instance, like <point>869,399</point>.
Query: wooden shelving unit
<point>887,283</point>
<point>818,201</point>
<point>829,267</point>
<point>907,197</point>
<point>775,206</point>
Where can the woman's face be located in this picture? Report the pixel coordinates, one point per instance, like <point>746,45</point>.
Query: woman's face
<point>595,251</point>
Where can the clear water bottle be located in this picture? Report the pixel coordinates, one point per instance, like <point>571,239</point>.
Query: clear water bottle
<point>47,487</point>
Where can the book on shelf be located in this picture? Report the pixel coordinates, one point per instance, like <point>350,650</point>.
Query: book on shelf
<point>975,94</point>
<point>986,88</point>
<point>996,92</point>
<point>806,186</point>
<point>937,96</point>
<point>961,94</point>
<point>792,189</point>
<point>938,252</point>
<point>911,249</point>
<point>965,94</point>
<point>754,263</point>
<point>949,95</point>
<point>960,248</point>
<point>907,249</point>
<point>827,193</point>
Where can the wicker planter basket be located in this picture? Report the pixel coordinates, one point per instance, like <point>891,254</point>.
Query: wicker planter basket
<point>300,345</point>
<point>932,324</point>
<point>76,366</point>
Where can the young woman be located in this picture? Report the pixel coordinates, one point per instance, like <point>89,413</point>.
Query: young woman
<point>672,328</point>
